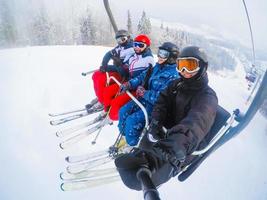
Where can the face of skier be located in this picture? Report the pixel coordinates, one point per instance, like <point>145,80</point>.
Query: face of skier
<point>162,55</point>
<point>161,60</point>
<point>188,67</point>
<point>121,40</point>
<point>185,74</point>
<point>139,47</point>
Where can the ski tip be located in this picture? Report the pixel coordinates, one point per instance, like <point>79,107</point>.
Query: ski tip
<point>68,169</point>
<point>61,175</point>
<point>62,187</point>
<point>67,159</point>
<point>58,134</point>
<point>61,146</point>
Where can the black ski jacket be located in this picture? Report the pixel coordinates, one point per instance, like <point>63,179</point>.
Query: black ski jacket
<point>187,107</point>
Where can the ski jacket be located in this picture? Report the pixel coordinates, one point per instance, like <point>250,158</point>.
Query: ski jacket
<point>187,108</point>
<point>136,63</point>
<point>118,54</point>
<point>159,79</point>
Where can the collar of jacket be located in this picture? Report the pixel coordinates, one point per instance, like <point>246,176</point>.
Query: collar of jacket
<point>146,52</point>
<point>189,85</point>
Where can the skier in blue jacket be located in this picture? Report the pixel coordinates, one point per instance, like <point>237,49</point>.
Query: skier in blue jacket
<point>148,86</point>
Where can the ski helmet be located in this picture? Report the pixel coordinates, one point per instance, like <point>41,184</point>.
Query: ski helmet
<point>143,38</point>
<point>198,53</point>
<point>121,33</point>
<point>172,49</point>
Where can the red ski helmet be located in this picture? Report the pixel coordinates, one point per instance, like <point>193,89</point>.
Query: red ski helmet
<point>143,38</point>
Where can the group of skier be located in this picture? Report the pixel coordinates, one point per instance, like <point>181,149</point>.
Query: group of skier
<point>175,93</point>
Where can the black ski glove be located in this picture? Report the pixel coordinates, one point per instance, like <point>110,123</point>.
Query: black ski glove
<point>124,87</point>
<point>155,130</point>
<point>103,68</point>
<point>175,145</point>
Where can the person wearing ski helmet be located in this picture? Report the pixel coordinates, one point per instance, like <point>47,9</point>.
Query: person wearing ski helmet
<point>148,86</point>
<point>119,55</point>
<point>187,109</point>
<point>135,65</point>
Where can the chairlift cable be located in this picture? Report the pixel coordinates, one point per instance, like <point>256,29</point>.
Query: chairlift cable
<point>251,34</point>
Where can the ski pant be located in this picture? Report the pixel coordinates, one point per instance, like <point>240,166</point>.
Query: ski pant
<point>132,120</point>
<point>113,101</point>
<point>129,164</point>
<point>100,82</point>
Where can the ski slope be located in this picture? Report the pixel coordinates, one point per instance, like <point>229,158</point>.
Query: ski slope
<point>38,80</point>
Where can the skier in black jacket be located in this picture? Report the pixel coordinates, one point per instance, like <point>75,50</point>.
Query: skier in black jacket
<point>187,109</point>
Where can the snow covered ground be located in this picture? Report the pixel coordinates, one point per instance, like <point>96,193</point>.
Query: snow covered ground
<point>38,80</point>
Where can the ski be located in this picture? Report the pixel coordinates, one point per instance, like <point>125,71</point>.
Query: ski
<point>65,176</point>
<point>74,169</point>
<point>76,138</point>
<point>96,160</point>
<point>76,116</point>
<point>85,184</point>
<point>65,132</point>
<point>87,106</point>
<point>65,113</point>
<point>86,157</point>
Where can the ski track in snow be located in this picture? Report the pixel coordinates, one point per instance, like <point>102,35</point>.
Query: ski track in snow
<point>36,81</point>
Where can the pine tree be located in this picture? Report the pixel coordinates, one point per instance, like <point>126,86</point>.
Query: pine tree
<point>144,25</point>
<point>87,29</point>
<point>8,30</point>
<point>40,28</point>
<point>161,26</point>
<point>129,23</point>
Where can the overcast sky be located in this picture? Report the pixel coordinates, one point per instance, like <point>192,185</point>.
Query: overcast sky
<point>226,16</point>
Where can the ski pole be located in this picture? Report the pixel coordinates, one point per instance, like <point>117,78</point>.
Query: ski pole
<point>89,72</point>
<point>149,190</point>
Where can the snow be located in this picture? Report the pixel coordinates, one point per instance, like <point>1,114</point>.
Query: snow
<point>36,81</point>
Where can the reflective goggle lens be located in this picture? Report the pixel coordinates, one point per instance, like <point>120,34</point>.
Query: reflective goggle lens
<point>121,39</point>
<point>139,44</point>
<point>190,65</point>
<point>163,53</point>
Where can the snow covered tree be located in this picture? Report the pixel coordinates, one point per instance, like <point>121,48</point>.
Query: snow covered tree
<point>8,30</point>
<point>161,26</point>
<point>144,25</point>
<point>129,23</point>
<point>87,29</point>
<point>40,28</point>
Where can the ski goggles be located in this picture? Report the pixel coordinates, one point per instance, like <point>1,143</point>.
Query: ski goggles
<point>162,53</point>
<point>139,45</point>
<point>188,64</point>
<point>121,39</point>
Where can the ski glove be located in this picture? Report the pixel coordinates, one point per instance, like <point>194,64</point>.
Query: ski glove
<point>103,68</point>
<point>155,130</point>
<point>140,91</point>
<point>175,145</point>
<point>124,87</point>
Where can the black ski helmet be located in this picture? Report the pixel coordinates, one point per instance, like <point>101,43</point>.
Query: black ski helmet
<point>172,49</point>
<point>121,33</point>
<point>198,53</point>
<point>195,52</point>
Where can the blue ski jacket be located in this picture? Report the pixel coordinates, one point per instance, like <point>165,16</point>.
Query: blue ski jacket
<point>159,79</point>
<point>131,117</point>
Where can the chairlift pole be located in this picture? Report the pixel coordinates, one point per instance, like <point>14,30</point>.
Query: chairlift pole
<point>111,18</point>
